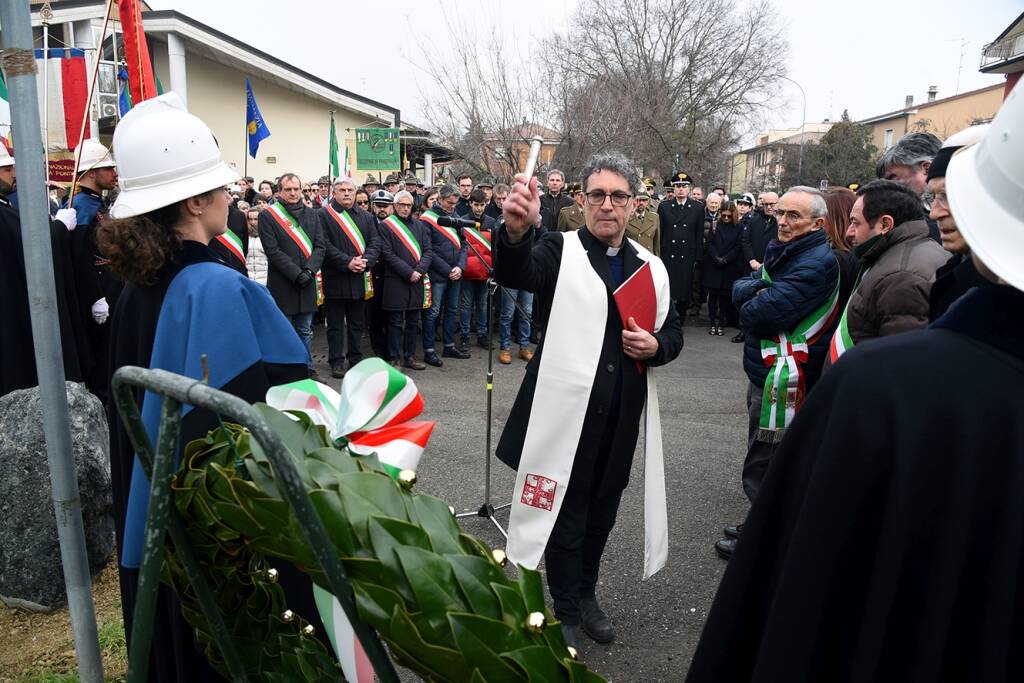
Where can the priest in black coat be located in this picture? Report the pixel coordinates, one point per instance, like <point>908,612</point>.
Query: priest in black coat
<point>604,455</point>
<point>682,237</point>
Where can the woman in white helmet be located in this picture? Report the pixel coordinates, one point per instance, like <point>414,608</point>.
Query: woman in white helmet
<point>180,302</point>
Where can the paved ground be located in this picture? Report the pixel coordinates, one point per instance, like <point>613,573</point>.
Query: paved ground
<point>704,427</point>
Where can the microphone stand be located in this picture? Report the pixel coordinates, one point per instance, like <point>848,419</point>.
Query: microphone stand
<point>487,508</point>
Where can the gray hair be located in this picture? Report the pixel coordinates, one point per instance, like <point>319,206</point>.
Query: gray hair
<point>911,150</point>
<point>345,181</point>
<point>616,162</point>
<point>556,171</point>
<point>403,194</point>
<point>819,209</point>
<point>447,190</point>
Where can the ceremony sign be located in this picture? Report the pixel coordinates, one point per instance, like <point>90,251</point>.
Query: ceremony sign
<point>378,149</point>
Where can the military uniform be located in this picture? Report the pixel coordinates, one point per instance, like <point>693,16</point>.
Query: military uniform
<point>571,218</point>
<point>646,230</point>
<point>682,232</point>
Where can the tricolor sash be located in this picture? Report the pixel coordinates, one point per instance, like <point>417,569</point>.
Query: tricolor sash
<point>480,241</point>
<point>430,218</point>
<point>355,236</point>
<point>564,383</point>
<point>407,238</point>
<point>231,242</point>
<point>785,355</point>
<point>842,340</point>
<point>295,231</point>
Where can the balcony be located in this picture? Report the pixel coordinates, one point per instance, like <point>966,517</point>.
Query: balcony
<point>1001,51</point>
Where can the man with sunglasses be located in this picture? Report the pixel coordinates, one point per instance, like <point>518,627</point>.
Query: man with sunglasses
<point>682,238</point>
<point>574,425</point>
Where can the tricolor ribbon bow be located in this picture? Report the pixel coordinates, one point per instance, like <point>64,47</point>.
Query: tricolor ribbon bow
<point>373,413</point>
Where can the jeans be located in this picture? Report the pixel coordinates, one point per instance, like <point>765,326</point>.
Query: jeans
<point>403,328</point>
<point>508,309</point>
<point>474,302</point>
<point>445,293</point>
<point>345,316</point>
<point>303,324</point>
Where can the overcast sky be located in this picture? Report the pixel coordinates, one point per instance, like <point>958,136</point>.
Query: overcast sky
<point>864,56</point>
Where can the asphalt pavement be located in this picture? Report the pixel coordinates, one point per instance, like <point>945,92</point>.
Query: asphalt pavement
<point>658,621</point>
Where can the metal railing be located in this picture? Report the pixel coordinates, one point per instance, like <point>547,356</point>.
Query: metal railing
<point>1002,50</point>
<point>162,517</point>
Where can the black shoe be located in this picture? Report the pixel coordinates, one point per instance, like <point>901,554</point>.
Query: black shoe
<point>483,342</point>
<point>711,330</point>
<point>739,338</point>
<point>720,331</point>
<point>452,352</point>
<point>430,358</point>
<point>413,364</point>
<point>725,548</point>
<point>464,344</point>
<point>595,622</point>
<point>571,634</point>
<point>732,530</point>
<point>338,369</point>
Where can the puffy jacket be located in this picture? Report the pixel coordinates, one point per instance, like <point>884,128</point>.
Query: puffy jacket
<point>803,277</point>
<point>256,261</point>
<point>899,270</point>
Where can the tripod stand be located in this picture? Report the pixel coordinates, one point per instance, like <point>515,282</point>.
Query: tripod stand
<point>487,508</point>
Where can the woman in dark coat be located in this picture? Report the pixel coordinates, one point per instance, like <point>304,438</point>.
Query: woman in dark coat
<point>839,201</point>
<point>722,267</point>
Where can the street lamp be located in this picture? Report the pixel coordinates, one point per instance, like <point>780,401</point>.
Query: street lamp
<point>803,125</point>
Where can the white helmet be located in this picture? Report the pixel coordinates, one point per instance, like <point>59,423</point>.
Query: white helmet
<point>985,184</point>
<point>5,157</point>
<point>164,155</point>
<point>94,155</point>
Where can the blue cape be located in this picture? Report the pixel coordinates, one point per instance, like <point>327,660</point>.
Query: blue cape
<point>213,310</point>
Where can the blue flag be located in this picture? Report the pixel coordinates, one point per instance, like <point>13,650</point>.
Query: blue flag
<point>255,127</point>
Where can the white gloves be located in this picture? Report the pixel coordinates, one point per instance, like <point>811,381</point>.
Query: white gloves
<point>69,217</point>
<point>100,311</point>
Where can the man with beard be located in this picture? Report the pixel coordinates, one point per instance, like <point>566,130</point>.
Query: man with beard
<point>682,231</point>
<point>351,250</point>
<point>291,237</point>
<point>17,352</point>
<point>97,288</point>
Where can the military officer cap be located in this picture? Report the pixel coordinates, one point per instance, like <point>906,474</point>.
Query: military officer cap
<point>643,193</point>
<point>382,197</point>
<point>746,198</point>
<point>648,182</point>
<point>575,187</point>
<point>486,182</point>
<point>411,179</point>
<point>324,180</point>
<point>680,178</point>
<point>853,186</point>
<point>371,180</point>
<point>392,178</point>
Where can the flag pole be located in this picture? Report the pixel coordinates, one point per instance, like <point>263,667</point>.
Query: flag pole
<point>46,14</point>
<point>245,145</point>
<point>330,192</point>
<point>88,101</point>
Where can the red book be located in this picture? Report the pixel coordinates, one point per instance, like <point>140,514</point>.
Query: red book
<point>636,298</point>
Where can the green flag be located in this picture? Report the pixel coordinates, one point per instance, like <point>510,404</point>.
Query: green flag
<point>333,158</point>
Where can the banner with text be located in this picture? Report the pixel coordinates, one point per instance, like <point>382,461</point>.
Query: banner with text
<point>378,149</point>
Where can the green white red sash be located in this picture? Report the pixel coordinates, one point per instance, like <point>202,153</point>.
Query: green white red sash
<point>785,355</point>
<point>481,241</point>
<point>430,218</point>
<point>405,236</point>
<point>231,242</point>
<point>842,340</point>
<point>355,236</point>
<point>292,228</point>
<point>373,414</point>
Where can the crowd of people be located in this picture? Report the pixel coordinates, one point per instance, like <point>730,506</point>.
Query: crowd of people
<point>825,288</point>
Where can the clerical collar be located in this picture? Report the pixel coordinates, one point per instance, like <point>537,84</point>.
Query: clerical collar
<point>613,251</point>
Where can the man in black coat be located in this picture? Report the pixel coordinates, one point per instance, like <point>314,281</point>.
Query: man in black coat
<point>554,200</point>
<point>447,266</point>
<point>351,250</point>
<point>682,235</point>
<point>602,461</point>
<point>291,237</point>
<point>885,541</point>
<point>761,229</point>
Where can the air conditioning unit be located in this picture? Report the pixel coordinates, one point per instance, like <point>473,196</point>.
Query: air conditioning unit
<point>108,111</point>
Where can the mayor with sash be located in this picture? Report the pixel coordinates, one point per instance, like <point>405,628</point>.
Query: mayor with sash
<point>789,308</point>
<point>291,237</point>
<point>575,422</point>
<point>351,250</point>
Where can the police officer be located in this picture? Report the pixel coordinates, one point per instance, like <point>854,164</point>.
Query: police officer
<point>682,227</point>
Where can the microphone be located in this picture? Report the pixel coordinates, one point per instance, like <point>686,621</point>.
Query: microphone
<point>450,222</point>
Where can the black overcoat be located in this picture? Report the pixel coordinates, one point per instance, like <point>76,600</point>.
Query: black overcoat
<point>760,229</point>
<point>285,260</point>
<point>533,265</point>
<point>397,293</point>
<point>722,261</point>
<point>682,232</point>
<point>885,542</point>
<point>339,281</point>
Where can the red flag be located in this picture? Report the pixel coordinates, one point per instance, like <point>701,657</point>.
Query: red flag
<point>141,83</point>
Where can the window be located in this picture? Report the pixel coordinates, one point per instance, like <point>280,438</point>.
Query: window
<point>888,138</point>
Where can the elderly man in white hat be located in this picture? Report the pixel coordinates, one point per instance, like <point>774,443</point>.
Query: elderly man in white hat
<point>17,356</point>
<point>887,535</point>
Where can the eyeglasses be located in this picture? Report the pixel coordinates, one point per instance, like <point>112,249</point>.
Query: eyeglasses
<point>726,215</point>
<point>791,216</point>
<point>407,205</point>
<point>597,197</point>
<point>767,204</point>
<point>362,202</point>
<point>936,199</point>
